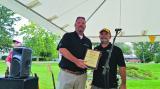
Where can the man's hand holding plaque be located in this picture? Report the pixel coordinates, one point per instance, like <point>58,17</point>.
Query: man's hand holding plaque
<point>92,58</point>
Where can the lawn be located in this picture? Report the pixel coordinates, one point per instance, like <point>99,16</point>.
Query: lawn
<point>45,79</point>
<point>145,84</point>
<point>41,69</point>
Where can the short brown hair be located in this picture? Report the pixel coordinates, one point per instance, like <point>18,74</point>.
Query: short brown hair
<point>80,17</point>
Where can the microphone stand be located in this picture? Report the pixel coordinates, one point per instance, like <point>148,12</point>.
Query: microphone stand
<point>106,66</point>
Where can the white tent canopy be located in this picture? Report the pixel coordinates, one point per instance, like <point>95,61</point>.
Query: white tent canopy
<point>137,18</point>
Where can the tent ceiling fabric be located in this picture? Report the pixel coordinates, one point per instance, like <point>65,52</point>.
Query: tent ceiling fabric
<point>139,18</point>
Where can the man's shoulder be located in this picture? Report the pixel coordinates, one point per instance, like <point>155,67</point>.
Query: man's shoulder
<point>87,39</point>
<point>68,34</point>
<point>117,48</point>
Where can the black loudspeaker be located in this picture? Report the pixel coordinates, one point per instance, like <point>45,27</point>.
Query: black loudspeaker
<point>12,83</point>
<point>21,62</point>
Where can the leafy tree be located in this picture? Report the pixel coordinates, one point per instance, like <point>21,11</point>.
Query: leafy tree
<point>7,20</point>
<point>42,42</point>
<point>157,57</point>
<point>145,51</point>
<point>156,51</point>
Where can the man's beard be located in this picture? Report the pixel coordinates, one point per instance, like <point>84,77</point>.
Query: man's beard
<point>81,30</point>
<point>104,41</point>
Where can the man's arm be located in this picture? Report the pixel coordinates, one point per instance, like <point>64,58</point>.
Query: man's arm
<point>69,56</point>
<point>122,71</point>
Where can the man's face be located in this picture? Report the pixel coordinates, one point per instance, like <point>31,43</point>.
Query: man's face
<point>80,25</point>
<point>105,37</point>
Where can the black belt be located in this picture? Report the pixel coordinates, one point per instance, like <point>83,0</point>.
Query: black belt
<point>73,72</point>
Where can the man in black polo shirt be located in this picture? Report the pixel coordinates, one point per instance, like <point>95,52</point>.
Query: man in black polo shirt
<point>116,59</point>
<point>73,47</point>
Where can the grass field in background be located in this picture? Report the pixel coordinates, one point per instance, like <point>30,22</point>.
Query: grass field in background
<point>45,79</point>
<point>145,84</point>
<point>41,69</point>
<point>149,67</point>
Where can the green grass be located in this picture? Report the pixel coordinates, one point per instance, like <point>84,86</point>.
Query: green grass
<point>143,84</point>
<point>3,67</point>
<point>45,79</point>
<point>134,72</point>
<point>152,68</point>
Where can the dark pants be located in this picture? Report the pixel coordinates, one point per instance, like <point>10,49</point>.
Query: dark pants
<point>94,87</point>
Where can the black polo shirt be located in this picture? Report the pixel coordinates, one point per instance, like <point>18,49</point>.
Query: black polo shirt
<point>117,59</point>
<point>75,45</point>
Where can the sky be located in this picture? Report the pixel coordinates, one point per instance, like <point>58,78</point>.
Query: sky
<point>20,23</point>
<point>17,26</point>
